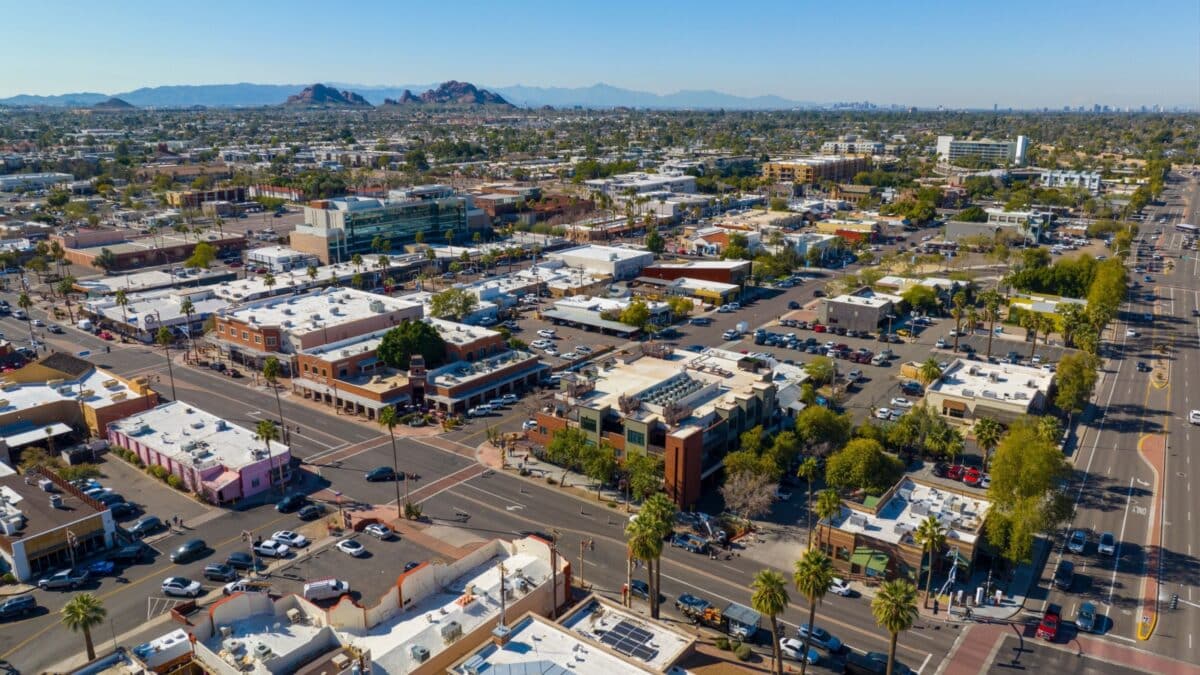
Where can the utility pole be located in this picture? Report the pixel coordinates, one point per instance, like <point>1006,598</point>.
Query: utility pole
<point>554,574</point>
<point>584,545</point>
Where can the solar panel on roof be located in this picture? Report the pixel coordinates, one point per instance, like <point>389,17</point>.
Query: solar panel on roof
<point>630,640</point>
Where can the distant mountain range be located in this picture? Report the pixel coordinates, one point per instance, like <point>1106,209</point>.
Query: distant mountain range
<point>320,95</point>
<point>450,93</point>
<point>256,95</point>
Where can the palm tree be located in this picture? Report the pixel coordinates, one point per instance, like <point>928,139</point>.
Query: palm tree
<point>991,312</point>
<point>269,281</point>
<point>164,338</point>
<point>770,598</point>
<point>356,260</point>
<point>929,371</point>
<point>312,273</point>
<point>26,304</point>
<point>987,435</point>
<point>809,470</point>
<point>895,610</point>
<point>266,431</point>
<point>646,544</point>
<point>958,312</point>
<point>829,504</point>
<point>271,371</point>
<point>1030,322</point>
<point>83,613</point>
<point>659,512</point>
<point>930,535</point>
<point>1046,325</point>
<point>972,319</point>
<point>122,299</point>
<point>812,577</point>
<point>188,309</point>
<point>388,419</point>
<point>66,286</point>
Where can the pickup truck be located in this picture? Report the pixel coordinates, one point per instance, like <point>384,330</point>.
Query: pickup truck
<point>1048,628</point>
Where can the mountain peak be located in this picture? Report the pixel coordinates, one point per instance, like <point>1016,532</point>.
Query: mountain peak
<point>451,92</point>
<point>114,103</point>
<point>321,95</point>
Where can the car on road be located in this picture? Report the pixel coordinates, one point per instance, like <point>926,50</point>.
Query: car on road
<point>701,321</point>
<point>1129,332</point>
<point>411,564</point>
<point>55,328</point>
<point>481,410</point>
<point>219,572</point>
<point>189,551</point>
<point>1194,417</point>
<point>380,474</point>
<point>19,606</point>
<point>1107,545</point>
<point>146,525</point>
<point>1077,542</point>
<point>291,503</point>
<point>181,587</point>
<point>68,579</point>
<point>1064,575</point>
<point>379,531</point>
<point>310,512</point>
<point>911,388</point>
<point>271,549</point>
<point>791,648</point>
<point>1143,367</point>
<point>1048,628</point>
<point>352,548</point>
<point>839,587</point>
<point>901,402</point>
<point>292,539</point>
<point>639,589</point>
<point>1085,618</point>
<point>820,637</point>
<point>39,323</point>
<point>792,304</point>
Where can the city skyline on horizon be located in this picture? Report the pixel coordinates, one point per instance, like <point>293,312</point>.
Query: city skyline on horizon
<point>971,57</point>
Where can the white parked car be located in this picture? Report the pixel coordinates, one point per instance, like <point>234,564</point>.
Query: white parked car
<point>181,587</point>
<point>1194,417</point>
<point>351,548</point>
<point>941,343</point>
<point>570,356</point>
<point>271,549</point>
<point>839,587</point>
<point>482,410</point>
<point>292,539</point>
<point>901,402</point>
<point>551,351</point>
<point>529,425</point>
<point>379,531</point>
<point>509,399</point>
<point>724,309</point>
<point>791,648</point>
<point>547,333</point>
<point>883,414</point>
<point>583,349</point>
<point>1129,332</point>
<point>540,344</point>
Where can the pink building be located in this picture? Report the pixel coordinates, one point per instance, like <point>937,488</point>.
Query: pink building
<point>213,458</point>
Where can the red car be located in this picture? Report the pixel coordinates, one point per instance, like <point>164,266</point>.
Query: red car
<point>1048,628</point>
<point>972,477</point>
<point>954,472</point>
<point>105,335</point>
<point>819,328</point>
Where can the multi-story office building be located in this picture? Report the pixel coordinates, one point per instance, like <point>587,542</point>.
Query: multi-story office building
<point>852,146</point>
<point>809,170</point>
<point>335,230</point>
<point>950,149</point>
<point>1088,180</point>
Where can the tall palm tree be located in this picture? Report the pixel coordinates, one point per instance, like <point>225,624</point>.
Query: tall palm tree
<point>770,598</point>
<point>81,614</point>
<point>930,535</point>
<point>271,371</point>
<point>269,281</point>
<point>163,337</point>
<point>829,504</point>
<point>646,544</point>
<point>958,312</point>
<point>188,310</point>
<point>987,434</point>
<point>972,319</point>
<point>25,303</point>
<point>1047,326</point>
<point>66,286</point>
<point>812,576</point>
<point>122,300</point>
<point>266,431</point>
<point>929,371</point>
<point>895,610</point>
<point>356,261</point>
<point>808,471</point>
<point>1030,322</point>
<point>991,312</point>
<point>388,419</point>
<point>659,512</point>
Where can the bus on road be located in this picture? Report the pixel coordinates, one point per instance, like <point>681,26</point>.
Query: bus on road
<point>1187,229</point>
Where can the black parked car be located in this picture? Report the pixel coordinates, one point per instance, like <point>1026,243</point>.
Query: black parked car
<point>122,510</point>
<point>241,560</point>
<point>220,572</point>
<point>310,512</point>
<point>291,503</point>
<point>189,551</point>
<point>134,553</point>
<point>381,473</point>
<point>22,605</point>
<point>110,498</point>
<point>146,525</point>
<point>793,305</point>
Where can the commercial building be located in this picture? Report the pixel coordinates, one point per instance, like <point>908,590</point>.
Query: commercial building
<point>433,616</point>
<point>194,199</point>
<point>850,230</point>
<point>84,247</point>
<point>710,292</point>
<point>153,280</point>
<point>950,149</point>
<point>144,313</point>
<point>1009,225</point>
<point>874,538</point>
<point>214,458</point>
<point>350,377</point>
<point>300,280</point>
<point>33,181</point>
<point>47,524</point>
<point>806,242</point>
<point>863,311</point>
<point>616,262</point>
<point>1087,180</point>
<point>639,183</point>
<point>603,314</point>
<point>969,390</point>
<point>461,385</point>
<point>62,395</point>
<point>251,332</point>
<point>598,638</point>
<point>685,407</point>
<point>282,259</point>
<point>735,272</point>
<point>809,170</point>
<point>852,146</point>
<point>335,230</point>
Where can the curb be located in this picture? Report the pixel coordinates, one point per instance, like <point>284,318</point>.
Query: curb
<point>9,590</point>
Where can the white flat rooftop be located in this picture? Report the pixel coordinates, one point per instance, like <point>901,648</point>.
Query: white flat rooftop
<point>162,307</point>
<point>1003,382</point>
<point>597,619</point>
<point>195,438</point>
<point>96,389</point>
<point>265,631</point>
<point>459,333</point>
<point>320,309</point>
<point>874,301</point>
<point>604,253</point>
<point>912,503</point>
<point>144,281</point>
<point>287,282</point>
<point>536,647</point>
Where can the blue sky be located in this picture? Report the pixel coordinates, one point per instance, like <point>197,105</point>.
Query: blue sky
<point>1017,53</point>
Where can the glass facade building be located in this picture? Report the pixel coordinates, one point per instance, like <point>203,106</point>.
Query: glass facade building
<point>350,226</point>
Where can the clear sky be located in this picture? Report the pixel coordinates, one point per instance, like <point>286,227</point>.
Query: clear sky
<point>1019,53</point>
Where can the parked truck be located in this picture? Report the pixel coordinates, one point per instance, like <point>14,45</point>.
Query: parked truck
<point>737,620</point>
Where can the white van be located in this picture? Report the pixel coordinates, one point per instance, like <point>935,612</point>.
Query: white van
<point>85,324</point>
<point>325,589</point>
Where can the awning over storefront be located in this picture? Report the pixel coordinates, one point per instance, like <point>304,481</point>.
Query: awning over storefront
<point>24,433</point>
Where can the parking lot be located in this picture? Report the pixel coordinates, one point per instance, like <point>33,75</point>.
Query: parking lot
<point>151,496</point>
<point>370,576</point>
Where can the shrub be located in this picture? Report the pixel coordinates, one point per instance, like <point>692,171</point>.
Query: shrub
<point>8,578</point>
<point>550,480</point>
<point>722,643</point>
<point>158,471</point>
<point>175,482</point>
<point>743,652</point>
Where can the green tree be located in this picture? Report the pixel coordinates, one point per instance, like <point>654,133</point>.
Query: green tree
<point>987,434</point>
<point>189,308</point>
<point>971,214</point>
<point>105,260</point>
<point>65,287</point>
<point>812,576</point>
<point>636,313</point>
<point>959,312</point>
<point>929,372</point>
<point>654,241</point>
<point>863,465</point>
<point>992,302</point>
<point>930,535</point>
<point>202,256</point>
<point>821,429</point>
<point>1076,378</point>
<point>268,433</point>
<point>1025,471</point>
<point>808,471</point>
<point>312,273</point>
<point>26,304</point>
<point>122,300</point>
<point>452,303</point>
<point>566,450</point>
<point>80,615</point>
<point>895,610</point>
<point>769,598</point>
<point>164,339</point>
<point>820,370</point>
<point>920,298</point>
<point>599,461</point>
<point>644,473</point>
<point>412,337</point>
<point>388,419</point>
<point>645,543</point>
